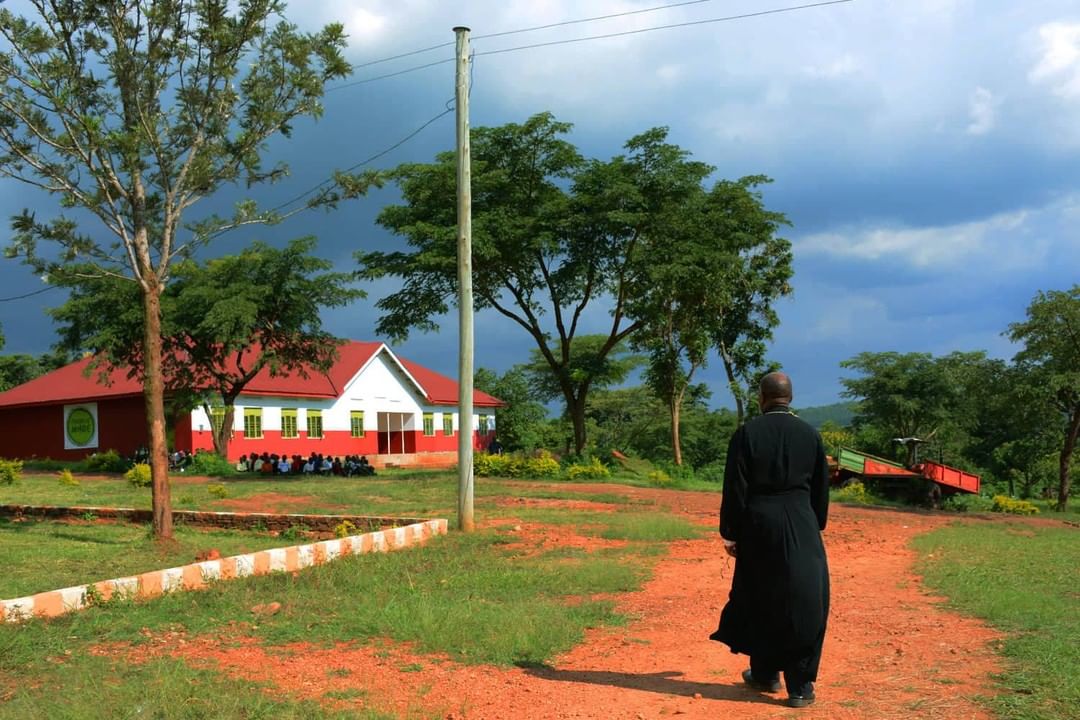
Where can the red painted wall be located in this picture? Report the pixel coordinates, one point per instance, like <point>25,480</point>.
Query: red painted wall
<point>39,431</point>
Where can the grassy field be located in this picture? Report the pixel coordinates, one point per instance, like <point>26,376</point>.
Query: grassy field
<point>40,556</point>
<point>479,598</point>
<point>1023,579</point>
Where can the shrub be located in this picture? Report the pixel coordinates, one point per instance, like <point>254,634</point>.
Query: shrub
<point>108,461</point>
<point>661,479</point>
<point>345,528</point>
<point>594,470</point>
<point>139,475</point>
<point>853,493</point>
<point>1006,504</point>
<point>10,471</point>
<point>296,532</point>
<point>218,491</point>
<point>210,464</point>
<point>543,465</point>
<point>66,478</point>
<point>713,472</point>
<point>960,502</point>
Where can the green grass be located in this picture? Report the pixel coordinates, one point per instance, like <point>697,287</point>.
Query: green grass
<point>475,598</point>
<point>40,556</point>
<point>1022,579</point>
<point>86,687</point>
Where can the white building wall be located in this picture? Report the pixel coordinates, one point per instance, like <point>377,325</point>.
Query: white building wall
<point>378,387</point>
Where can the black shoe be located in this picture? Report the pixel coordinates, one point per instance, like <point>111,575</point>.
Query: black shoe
<point>762,685</point>
<point>800,701</point>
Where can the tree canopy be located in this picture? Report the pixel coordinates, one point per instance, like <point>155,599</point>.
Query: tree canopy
<point>223,321</point>
<point>129,113</point>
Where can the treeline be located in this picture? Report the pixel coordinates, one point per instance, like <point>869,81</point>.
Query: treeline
<point>1014,422</point>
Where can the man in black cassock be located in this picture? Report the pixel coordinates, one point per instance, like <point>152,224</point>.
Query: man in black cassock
<point>774,507</point>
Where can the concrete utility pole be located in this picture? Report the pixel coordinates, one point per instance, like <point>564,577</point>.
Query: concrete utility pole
<point>465,299</point>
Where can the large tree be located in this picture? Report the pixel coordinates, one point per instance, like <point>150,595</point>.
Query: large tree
<point>223,322</point>
<point>911,395</point>
<point>1051,338</point>
<point>554,238</point>
<point>129,112</point>
<point>723,268</point>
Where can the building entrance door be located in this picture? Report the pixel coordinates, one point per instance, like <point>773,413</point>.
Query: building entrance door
<point>397,433</point>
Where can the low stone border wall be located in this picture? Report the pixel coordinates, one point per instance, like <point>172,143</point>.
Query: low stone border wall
<point>198,575</point>
<point>246,520</point>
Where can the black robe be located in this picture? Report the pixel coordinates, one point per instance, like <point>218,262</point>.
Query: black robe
<point>775,505</point>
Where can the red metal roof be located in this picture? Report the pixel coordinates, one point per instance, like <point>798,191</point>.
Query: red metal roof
<point>71,383</point>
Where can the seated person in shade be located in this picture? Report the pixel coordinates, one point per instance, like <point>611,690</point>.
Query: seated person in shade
<point>309,466</point>
<point>337,468</point>
<point>256,466</point>
<point>325,466</point>
<point>297,465</point>
<point>268,465</point>
<point>242,464</point>
<point>284,466</point>
<point>365,469</point>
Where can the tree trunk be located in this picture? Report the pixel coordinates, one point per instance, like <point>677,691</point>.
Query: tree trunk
<point>736,389</point>
<point>154,394</point>
<point>1066,457</point>
<point>576,408</point>
<point>676,442</point>
<point>223,433</point>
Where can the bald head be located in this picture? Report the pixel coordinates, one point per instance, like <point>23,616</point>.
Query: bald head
<point>775,389</point>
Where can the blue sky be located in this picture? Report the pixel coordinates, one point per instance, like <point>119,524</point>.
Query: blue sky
<point>927,153</point>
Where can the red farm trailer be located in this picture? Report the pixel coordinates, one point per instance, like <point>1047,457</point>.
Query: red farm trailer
<point>853,465</point>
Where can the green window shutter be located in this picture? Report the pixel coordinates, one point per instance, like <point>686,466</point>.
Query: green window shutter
<point>483,425</point>
<point>447,424</point>
<point>288,423</point>
<point>356,423</point>
<point>314,424</point>
<point>253,423</point>
<point>429,424</point>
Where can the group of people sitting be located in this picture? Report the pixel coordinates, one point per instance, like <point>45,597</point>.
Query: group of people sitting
<point>315,464</point>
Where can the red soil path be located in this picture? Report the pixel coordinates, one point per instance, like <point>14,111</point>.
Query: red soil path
<point>892,650</point>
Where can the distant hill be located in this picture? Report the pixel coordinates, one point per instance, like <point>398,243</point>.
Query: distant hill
<point>840,413</point>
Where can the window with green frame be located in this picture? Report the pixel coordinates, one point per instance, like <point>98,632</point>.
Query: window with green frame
<point>314,424</point>
<point>356,423</point>
<point>253,422</point>
<point>447,424</point>
<point>217,418</point>
<point>483,425</point>
<point>288,423</point>
<point>429,424</point>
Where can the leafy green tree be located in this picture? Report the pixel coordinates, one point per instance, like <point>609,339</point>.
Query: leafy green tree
<point>723,268</point>
<point>905,395</point>
<point>223,322</point>
<point>1051,338</point>
<point>521,423</point>
<point>132,111</point>
<point>553,234</point>
<point>18,369</point>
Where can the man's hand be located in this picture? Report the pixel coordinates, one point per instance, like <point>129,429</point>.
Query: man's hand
<point>730,548</point>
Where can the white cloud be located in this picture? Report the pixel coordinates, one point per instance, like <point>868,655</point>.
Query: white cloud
<point>982,108</point>
<point>844,65</point>
<point>364,24</point>
<point>942,246</point>
<point>1059,63</point>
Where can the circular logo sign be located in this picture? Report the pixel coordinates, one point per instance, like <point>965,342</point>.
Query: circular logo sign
<point>80,426</point>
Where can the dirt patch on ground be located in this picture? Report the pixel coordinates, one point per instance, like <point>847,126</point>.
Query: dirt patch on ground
<point>892,650</point>
<point>274,503</point>
<point>531,539</point>
<point>555,503</point>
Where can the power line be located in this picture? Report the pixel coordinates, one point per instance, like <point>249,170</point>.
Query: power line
<point>774,11</point>
<point>30,294</point>
<point>726,18</point>
<point>449,109</point>
<point>519,31</point>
